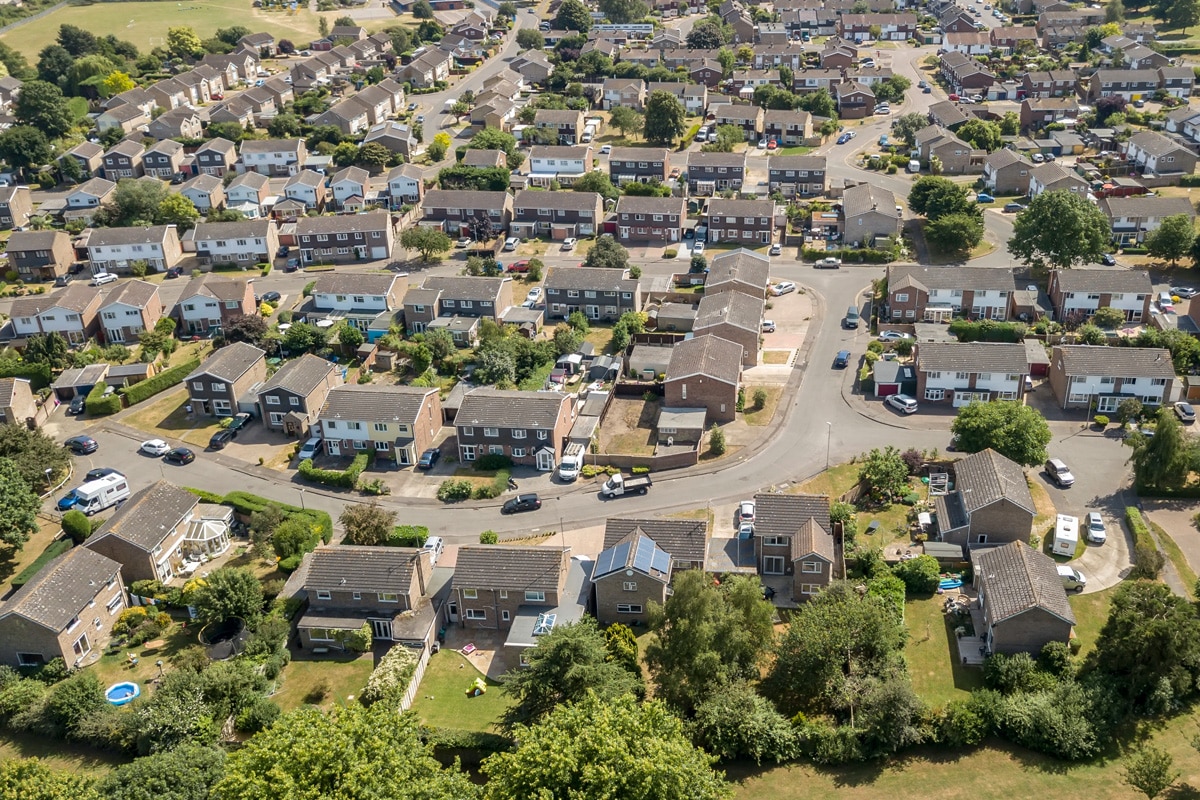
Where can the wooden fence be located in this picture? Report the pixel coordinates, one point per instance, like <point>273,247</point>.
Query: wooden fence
<point>410,694</point>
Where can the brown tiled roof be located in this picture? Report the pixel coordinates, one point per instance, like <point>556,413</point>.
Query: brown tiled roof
<point>510,567</point>
<point>706,355</point>
<point>972,357</point>
<point>735,308</point>
<point>301,375</point>
<point>76,297</point>
<point>134,293</point>
<point>742,266</point>
<point>493,408</point>
<point>230,362</point>
<point>148,516</point>
<point>62,589</point>
<point>1018,578</point>
<point>983,478</point>
<point>376,403</point>
<point>361,569</point>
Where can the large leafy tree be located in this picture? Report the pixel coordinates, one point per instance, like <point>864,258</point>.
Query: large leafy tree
<point>706,636</point>
<point>228,592</point>
<point>604,750</point>
<point>627,120</point>
<point>1060,230</point>
<point>1163,460</point>
<point>573,15</point>
<point>955,233</point>
<point>429,242</point>
<point>981,133</point>
<point>936,197</point>
<point>47,348</point>
<point>41,105</point>
<point>598,182</point>
<point>351,752</point>
<point>183,42</point>
<point>32,452</point>
<point>563,668</point>
<point>19,505</point>
<point>30,779</point>
<point>736,722</point>
<point>480,179</point>
<point>24,146</point>
<point>907,125</point>
<point>622,11</point>
<point>884,473</point>
<point>608,253</point>
<point>707,34</point>
<point>1173,239</point>
<point>1013,430</point>
<point>177,210</point>
<point>664,118</point>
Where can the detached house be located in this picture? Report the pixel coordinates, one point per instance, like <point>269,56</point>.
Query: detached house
<point>957,157</point>
<point>565,125</point>
<point>787,128</point>
<point>1081,292</point>
<point>406,185</point>
<point>960,373</point>
<point>1022,598</point>
<point>17,404</point>
<point>628,92</point>
<point>129,311</point>
<point>291,398</point>
<point>528,427</point>
<point>1006,173</point>
<point>351,186</point>
<point>224,378</point>
<point>854,100</point>
<point>991,502</point>
<point>738,270</point>
<point>216,157</point>
<point>1051,177</point>
<point>1083,374</point>
<point>248,193</point>
<point>146,534</point>
<point>163,160</point>
<point>206,192</point>
<point>793,536</point>
<point>628,576</point>
<point>600,293</point>
<point>562,164</point>
<point>645,221</point>
<point>685,541</point>
<point>705,373</point>
<point>869,213</point>
<point>307,188</point>
<point>396,422</point>
<point>272,157</point>
<point>39,255</point>
<point>209,302</point>
<point>241,243</point>
<point>16,206</point>
<point>123,160</point>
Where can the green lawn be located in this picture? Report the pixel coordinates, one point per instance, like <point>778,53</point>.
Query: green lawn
<point>57,754</point>
<point>932,654</point>
<point>762,416</point>
<point>537,379</point>
<point>442,699</point>
<point>1091,610</point>
<point>1178,559</point>
<point>792,151</point>
<point>345,677</point>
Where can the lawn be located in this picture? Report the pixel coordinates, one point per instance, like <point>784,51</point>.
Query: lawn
<point>793,151</point>
<point>146,24</point>
<point>537,379</point>
<point>15,561</point>
<point>600,336</point>
<point>57,754</point>
<point>629,427</point>
<point>761,416</point>
<point>1091,610</point>
<point>166,416</point>
<point>1186,573</point>
<point>343,678</point>
<point>442,700</point>
<point>932,654</point>
<point>118,666</point>
<point>776,356</point>
<point>893,520</point>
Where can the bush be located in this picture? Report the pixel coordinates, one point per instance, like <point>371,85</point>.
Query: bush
<point>256,716</point>
<point>247,504</point>
<point>1147,561</point>
<point>489,537</point>
<point>716,440</point>
<point>345,479</point>
<point>921,575</point>
<point>493,461</point>
<point>408,536</point>
<point>669,253</point>
<point>851,255</point>
<point>391,677</point>
<point>359,641</point>
<point>97,404</point>
<point>1101,421</point>
<point>454,489</point>
<point>640,471</point>
<point>76,525</point>
<point>167,379</point>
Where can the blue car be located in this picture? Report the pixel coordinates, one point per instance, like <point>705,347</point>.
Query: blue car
<point>845,137</point>
<point>67,501</point>
<point>984,198</point>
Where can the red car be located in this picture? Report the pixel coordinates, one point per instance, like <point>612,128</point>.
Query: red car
<point>519,266</point>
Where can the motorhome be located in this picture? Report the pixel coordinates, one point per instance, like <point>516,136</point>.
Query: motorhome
<point>95,496</point>
<point>1066,535</point>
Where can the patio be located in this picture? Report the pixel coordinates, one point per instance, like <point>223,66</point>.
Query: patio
<point>972,650</point>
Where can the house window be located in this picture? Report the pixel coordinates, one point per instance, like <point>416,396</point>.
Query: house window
<point>810,567</point>
<point>30,659</point>
<point>381,427</point>
<point>114,604</point>
<point>504,616</point>
<point>272,400</point>
<point>809,588</point>
<point>475,613</point>
<point>294,402</point>
<point>518,452</point>
<point>535,597</point>
<point>776,541</point>
<point>82,646</point>
<point>491,431</point>
<point>470,594</point>
<point>218,387</point>
<point>518,433</point>
<point>73,624</point>
<point>629,586</point>
<point>357,595</point>
<point>198,386</point>
<point>382,447</point>
<point>324,596</point>
<point>629,608</point>
<point>902,297</point>
<point>468,452</point>
<point>542,435</point>
<point>496,449</point>
<point>935,394</point>
<point>388,597</point>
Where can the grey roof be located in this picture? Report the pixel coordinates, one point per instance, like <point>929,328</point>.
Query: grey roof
<point>21,241</point>
<point>1018,578</point>
<point>510,567</point>
<point>1005,157</point>
<point>636,551</point>
<point>168,147</point>
<point>569,201</point>
<point>633,204</point>
<point>146,518</point>
<point>594,278</point>
<point>742,266</point>
<point>575,595</point>
<point>579,151</point>
<point>1154,143</point>
<point>787,515</point>
<point>300,376</point>
<point>483,158</point>
<point>983,478</point>
<point>1104,281</point>
<point>976,278</point>
<point>354,174</point>
<point>376,284</point>
<point>731,111</point>
<point>370,403</point>
<point>246,229</point>
<point>556,115</point>
<point>719,207</point>
<point>230,362</point>
<point>712,356</point>
<point>697,158</point>
<point>684,539</point>
<point>213,286</point>
<point>123,236</point>
<point>271,145</point>
<point>218,145</point>
<point>134,293</point>
<point>62,589</point>
<point>867,197</point>
<point>464,199</point>
<point>344,223</point>
<point>466,288</point>
<point>647,154</point>
<point>361,569</point>
<point>305,177</point>
<point>251,179</point>
<point>798,163</point>
<point>733,308</point>
<point>972,357</point>
<point>686,418</point>
<point>1144,206</point>
<point>492,408</point>
<point>1122,362</point>
<point>76,297</point>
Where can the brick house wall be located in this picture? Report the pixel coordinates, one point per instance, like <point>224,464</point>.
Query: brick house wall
<point>1028,632</point>
<point>699,391</point>
<point>611,593</point>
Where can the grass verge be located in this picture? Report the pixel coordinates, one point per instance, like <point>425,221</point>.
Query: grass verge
<point>755,415</point>
<point>1172,551</point>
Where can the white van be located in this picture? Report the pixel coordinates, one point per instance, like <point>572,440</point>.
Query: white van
<point>914,165</point>
<point>1066,535</point>
<point>95,496</point>
<point>434,545</point>
<point>572,462</point>
<point>1072,579</point>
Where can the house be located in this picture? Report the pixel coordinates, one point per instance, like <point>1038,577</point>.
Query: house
<point>65,611</point>
<point>163,160</point>
<point>272,157</point>
<point>641,164</point>
<point>216,157</point>
<point>171,95</point>
<point>116,249</point>
<point>216,386</point>
<point>248,193</point>
<point>73,313</point>
<point>16,206</point>
<point>348,116</point>
<point>529,427</point>
<point>123,160</point>
<point>17,403</point>
<point>628,92</point>
<point>563,164</point>
<point>1050,177</point>
<point>1008,39</point>
<point>1083,374</point>
<point>1022,598</point>
<point>207,193</point>
<point>744,221</point>
<point>707,72</point>
<point>787,128</point>
<point>466,212</point>
<point>565,125</point>
<point>126,118</point>
<point>854,100</point>
<point>397,422</point>
<point>209,302</point>
<point>600,293</point>
<point>556,215</point>
<point>793,536</point>
<point>146,534</point>
<point>1038,112</point>
<point>39,255</point>
<point>241,243</point>
<point>427,69</point>
<point>485,159</point>
<point>390,589</point>
<point>289,401</point>
<point>1052,83</point>
<point>396,137</point>
<point>868,213</point>
<point>130,310</point>
<point>1176,81</point>
<point>1131,218</point>
<point>1131,84</point>
<point>648,221</point>
<point>457,297</point>
<point>705,372</point>
<point>694,96</point>
<point>10,90</point>
<point>1006,173</point>
<point>710,173</point>
<point>797,176</point>
<point>406,185</point>
<point>345,239</point>
<point>533,66</point>
<point>965,75</point>
<point>356,298</point>
<point>936,294</point>
<point>264,43</point>
<point>884,27</point>
<point>748,118</point>
<point>89,156</point>
<point>990,503</point>
<point>1156,154</point>
<point>379,102</point>
<point>350,184</point>
<point>1079,293</point>
<point>957,157</point>
<point>738,270</point>
<point>838,55</point>
<point>235,110</point>
<point>807,81</point>
<point>959,373</point>
<point>971,43</point>
<point>686,541</point>
<point>628,576</point>
<point>88,196</point>
<point>734,316</point>
<point>307,188</point>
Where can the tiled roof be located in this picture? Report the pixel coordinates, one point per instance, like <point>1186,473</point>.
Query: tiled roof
<point>798,163</point>
<point>1121,362</point>
<point>1105,281</point>
<point>697,159</point>
<point>133,293</point>
<point>376,285</point>
<point>466,288</point>
<point>215,287</point>
<point>1117,207</point>
<point>76,297</point>
<point>1018,578</point>
<point>741,265</point>
<point>361,569</point>
<point>108,237</point>
<point>983,478</point>
<point>230,362</point>
<point>510,567</point>
<point>975,278</point>
<point>271,145</point>
<point>344,223</point>
<point>246,229</point>
<point>569,201</point>
<point>492,408</point>
<point>684,539</point>
<point>866,197</point>
<point>95,186</point>
<point>149,515</point>
<point>62,589</point>
<point>369,403</point>
<point>638,551</point>
<point>633,204</point>
<point>594,278</point>
<point>720,207</point>
<point>464,199</point>
<point>22,241</point>
<point>735,308</point>
<point>783,514</point>
<point>301,375</point>
<point>712,356</point>
<point>560,151</point>
<point>649,154</point>
<point>972,357</point>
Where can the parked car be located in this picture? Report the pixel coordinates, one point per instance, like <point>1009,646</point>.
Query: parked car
<point>698,247</point>
<point>845,137</point>
<point>1059,473</point>
<point>776,249</point>
<point>1013,208</point>
<point>282,251</point>
<point>1072,579</point>
<point>1095,524</point>
<point>1185,412</point>
<point>984,197</point>
<point>828,263</point>
<point>534,295</point>
<point>768,326</point>
<point>81,445</point>
<point>155,447</point>
<point>239,421</point>
<point>902,403</point>
<point>894,336</point>
<point>842,359</point>
<point>522,502</point>
<point>762,144</point>
<point>293,264</point>
<point>746,511</point>
<point>77,404</point>
<point>569,243</point>
<point>429,458</point>
<point>605,149</point>
<point>101,278</point>
<point>221,438</point>
<point>100,472</point>
<point>519,266</point>
<point>310,448</point>
<point>782,288</point>
<point>511,243</point>
<point>271,297</point>
<point>180,456</point>
<point>1183,292</point>
<point>1037,158</point>
<point>463,241</point>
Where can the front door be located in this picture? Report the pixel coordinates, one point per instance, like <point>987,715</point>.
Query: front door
<point>545,460</point>
<point>593,312</point>
<point>333,447</point>
<point>452,611</point>
<point>382,628</point>
<point>773,565</point>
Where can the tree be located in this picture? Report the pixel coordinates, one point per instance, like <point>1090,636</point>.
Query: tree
<point>367,523</point>
<point>23,146</point>
<point>1173,239</point>
<point>921,575</point>
<point>981,133</point>
<point>598,745</point>
<point>907,125</point>
<point>116,82</point>
<point>623,11</point>
<point>177,210</point>
<point>936,197</point>
<point>1013,430</point>
<point>29,779</point>
<point>1061,230</point>
<point>41,105</point>
<point>1108,317</point>
<point>246,328</point>
<point>303,337</point>
<point>1114,11</point>
<point>53,63</point>
<point>706,636</point>
<point>429,242</point>
<point>728,137</point>
<point>707,34</point>
<point>507,9</point>
<point>819,104</point>
<point>185,773</point>
<point>728,60</point>
<point>955,233</point>
<point>1150,770</point>
<point>530,39</point>
<point>716,437</point>
<point>627,120</point>
<point>47,348</point>
<point>352,752</point>
<point>573,15</point>
<point>76,525</point>
<point>228,592</point>
<point>438,147</point>
<point>565,667</point>
<point>884,473</point>
<point>566,339</point>
<point>1184,14</point>
<point>375,157</point>
<point>32,452</point>
<point>735,722</point>
<point>182,42</point>
<point>1010,124</point>
<point>284,126</point>
<point>134,202</point>
<point>75,40</point>
<point>481,179</point>
<point>607,253</point>
<point>598,182</point>
<point>1160,461</point>
<point>19,505</point>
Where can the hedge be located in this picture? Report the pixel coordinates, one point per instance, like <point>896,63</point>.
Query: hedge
<point>408,536</point>
<point>246,504</point>
<point>1189,180</point>
<point>97,405</point>
<point>56,549</point>
<point>38,375</point>
<point>851,255</point>
<point>454,739</point>
<point>344,479</point>
<point>1147,561</point>
<point>164,380</point>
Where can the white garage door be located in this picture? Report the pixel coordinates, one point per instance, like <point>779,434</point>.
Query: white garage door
<point>379,252</point>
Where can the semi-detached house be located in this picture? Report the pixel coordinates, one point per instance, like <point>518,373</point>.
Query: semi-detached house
<point>290,399</point>
<point>600,293</point>
<point>241,243</point>
<point>528,427</point>
<point>346,238</point>
<point>218,385</point>
<point>465,212</point>
<point>73,313</point>
<point>398,423</point>
<point>356,298</point>
<point>937,294</point>
<point>273,157</point>
<point>562,164</point>
<point>962,372</point>
<point>1082,292</point>
<point>116,249</point>
<point>1084,374</point>
<point>556,215</point>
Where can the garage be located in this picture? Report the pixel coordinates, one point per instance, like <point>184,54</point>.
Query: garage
<point>892,377</point>
<point>379,252</point>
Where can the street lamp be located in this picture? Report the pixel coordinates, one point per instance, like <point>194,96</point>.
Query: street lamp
<point>49,471</point>
<point>828,441</point>
<point>302,508</point>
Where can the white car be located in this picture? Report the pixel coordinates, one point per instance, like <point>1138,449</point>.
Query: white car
<point>902,403</point>
<point>782,288</point>
<point>310,449</point>
<point>768,326</point>
<point>829,262</point>
<point>776,249</point>
<point>762,144</point>
<point>1185,412</point>
<point>155,447</point>
<point>464,241</point>
<point>511,243</point>
<point>605,149</point>
<point>1095,528</point>
<point>746,511</point>
<point>101,278</point>
<point>894,336</point>
<point>698,247</point>
<point>569,244</point>
<point>534,295</point>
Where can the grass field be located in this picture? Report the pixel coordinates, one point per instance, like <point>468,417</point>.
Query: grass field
<point>146,24</point>
<point>343,676</point>
<point>442,700</point>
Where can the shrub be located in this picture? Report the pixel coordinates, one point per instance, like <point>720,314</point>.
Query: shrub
<point>639,470</point>
<point>489,537</point>
<point>760,397</point>
<point>129,619</point>
<point>256,716</point>
<point>345,479</point>
<point>1147,561</point>
<point>167,379</point>
<point>97,404</point>
<point>1101,421</point>
<point>921,575</point>
<point>454,489</point>
<point>359,641</point>
<point>391,677</point>
<point>493,461</point>
<point>716,440</point>
<point>408,536</point>
<point>76,525</point>
<point>669,253</point>
<point>913,459</point>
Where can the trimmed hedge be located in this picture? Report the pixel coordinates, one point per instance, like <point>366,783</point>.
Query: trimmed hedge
<point>56,549</point>
<point>851,255</point>
<point>38,375</point>
<point>453,739</point>
<point>164,380</point>
<point>97,405</point>
<point>344,479</point>
<point>246,504</point>
<point>408,536</point>
<point>1147,561</point>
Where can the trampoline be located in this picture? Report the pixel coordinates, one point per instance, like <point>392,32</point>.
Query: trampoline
<point>225,639</point>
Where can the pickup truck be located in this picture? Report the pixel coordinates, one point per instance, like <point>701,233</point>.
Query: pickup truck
<point>619,485</point>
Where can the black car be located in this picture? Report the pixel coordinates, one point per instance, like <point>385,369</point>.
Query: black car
<point>429,458</point>
<point>220,439</point>
<point>271,297</point>
<point>239,421</point>
<point>174,272</point>
<point>81,445</point>
<point>180,455</point>
<point>1108,260</point>
<point>77,404</point>
<point>98,473</point>
<point>293,264</point>
<point>282,251</point>
<point>522,502</point>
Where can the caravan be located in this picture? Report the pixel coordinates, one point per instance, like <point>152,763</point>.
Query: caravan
<point>1066,535</point>
<point>95,496</point>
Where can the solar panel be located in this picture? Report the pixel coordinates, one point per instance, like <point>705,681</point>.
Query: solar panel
<point>661,561</point>
<point>644,555</point>
<point>612,559</point>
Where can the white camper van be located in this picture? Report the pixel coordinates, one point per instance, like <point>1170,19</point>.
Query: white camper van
<point>1066,535</point>
<point>95,496</point>
<point>572,462</point>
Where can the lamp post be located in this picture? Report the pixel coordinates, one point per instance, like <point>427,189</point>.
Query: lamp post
<point>828,441</point>
<point>49,471</point>
<point>302,508</point>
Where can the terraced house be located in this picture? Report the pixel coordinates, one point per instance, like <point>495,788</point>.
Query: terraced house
<point>1082,292</point>
<point>600,293</point>
<point>346,238</point>
<point>396,422</point>
<point>556,215</point>
<point>650,220</point>
<point>641,164</point>
<point>709,173</point>
<point>1081,375</point>
<point>797,176</point>
<point>465,212</point>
